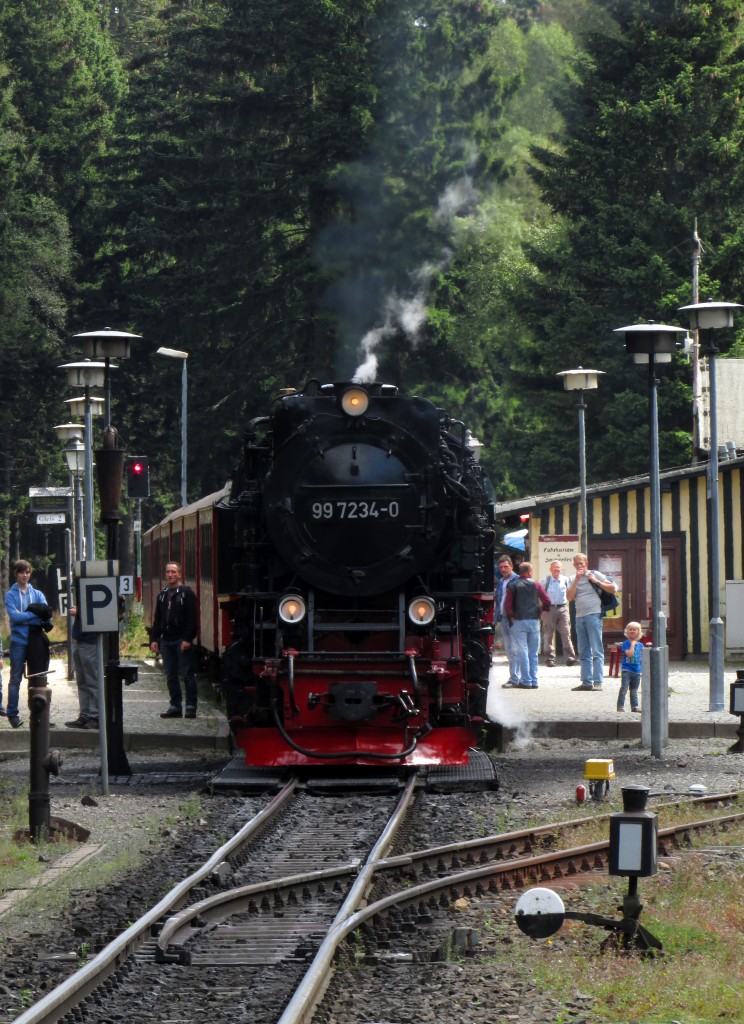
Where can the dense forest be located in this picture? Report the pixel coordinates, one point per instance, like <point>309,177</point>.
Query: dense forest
<point>460,197</point>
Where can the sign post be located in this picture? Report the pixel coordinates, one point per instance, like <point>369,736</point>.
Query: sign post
<point>98,608</point>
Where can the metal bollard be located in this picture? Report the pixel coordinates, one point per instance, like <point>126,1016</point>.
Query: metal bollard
<point>43,762</point>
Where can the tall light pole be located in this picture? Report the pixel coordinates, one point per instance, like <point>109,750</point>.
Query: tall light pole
<point>175,353</point>
<point>581,380</point>
<point>72,434</point>
<point>653,344</point>
<point>706,318</point>
<point>87,374</point>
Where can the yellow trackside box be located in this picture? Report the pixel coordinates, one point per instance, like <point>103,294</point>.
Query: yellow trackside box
<point>599,768</point>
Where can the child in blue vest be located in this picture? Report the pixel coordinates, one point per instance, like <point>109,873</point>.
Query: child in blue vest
<point>631,666</point>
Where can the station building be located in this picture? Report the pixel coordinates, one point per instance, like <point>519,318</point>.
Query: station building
<point>618,539</point>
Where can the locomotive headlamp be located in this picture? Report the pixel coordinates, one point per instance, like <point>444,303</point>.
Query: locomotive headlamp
<point>292,609</point>
<point>421,611</point>
<point>355,402</point>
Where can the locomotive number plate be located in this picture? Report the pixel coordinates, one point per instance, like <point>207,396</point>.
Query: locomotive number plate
<point>338,509</point>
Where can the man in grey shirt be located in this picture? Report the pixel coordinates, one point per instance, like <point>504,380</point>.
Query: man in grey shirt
<point>582,589</point>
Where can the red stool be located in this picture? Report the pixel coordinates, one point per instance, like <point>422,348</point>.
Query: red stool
<point>616,657</point>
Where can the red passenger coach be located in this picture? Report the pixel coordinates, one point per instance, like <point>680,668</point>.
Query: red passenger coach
<point>344,579</point>
<point>191,536</point>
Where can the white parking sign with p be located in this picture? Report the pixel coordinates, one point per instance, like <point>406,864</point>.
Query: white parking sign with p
<point>98,605</point>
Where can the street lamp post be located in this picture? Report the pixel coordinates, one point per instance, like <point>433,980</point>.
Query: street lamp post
<point>581,380</point>
<point>174,353</point>
<point>87,374</point>
<point>75,458</point>
<point>653,344</point>
<point>72,434</point>
<point>706,318</point>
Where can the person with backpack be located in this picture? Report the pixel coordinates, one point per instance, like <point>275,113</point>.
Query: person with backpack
<point>584,588</point>
<point>525,601</point>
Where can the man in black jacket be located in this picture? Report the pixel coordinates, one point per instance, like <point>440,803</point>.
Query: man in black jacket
<point>172,636</point>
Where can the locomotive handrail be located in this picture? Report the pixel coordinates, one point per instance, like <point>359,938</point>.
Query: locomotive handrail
<point>411,655</point>
<point>290,681</point>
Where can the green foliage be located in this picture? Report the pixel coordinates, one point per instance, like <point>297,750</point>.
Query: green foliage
<point>462,199</point>
<point>652,130</point>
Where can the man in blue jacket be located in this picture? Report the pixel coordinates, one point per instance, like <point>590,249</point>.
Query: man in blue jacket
<point>17,601</point>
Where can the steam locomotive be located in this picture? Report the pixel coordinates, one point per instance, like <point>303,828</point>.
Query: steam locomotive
<point>345,581</point>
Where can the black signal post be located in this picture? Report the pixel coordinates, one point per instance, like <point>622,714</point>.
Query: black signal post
<point>108,345</point>
<point>633,853</point>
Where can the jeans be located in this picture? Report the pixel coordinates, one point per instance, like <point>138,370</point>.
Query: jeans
<point>17,668</point>
<point>591,648</point>
<point>85,659</point>
<point>526,637</point>
<point>629,681</point>
<point>510,650</point>
<point>173,660</point>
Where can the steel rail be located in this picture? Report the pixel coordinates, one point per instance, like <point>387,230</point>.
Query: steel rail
<point>313,985</point>
<point>300,1008</point>
<point>178,929</point>
<point>215,909</point>
<point>84,981</point>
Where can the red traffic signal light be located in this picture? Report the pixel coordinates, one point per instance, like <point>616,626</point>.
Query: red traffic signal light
<point>138,476</point>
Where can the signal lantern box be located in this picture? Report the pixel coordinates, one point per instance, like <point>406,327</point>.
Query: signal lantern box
<point>138,476</point>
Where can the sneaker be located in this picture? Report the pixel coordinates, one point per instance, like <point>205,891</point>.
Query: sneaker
<point>172,713</point>
<point>91,724</point>
<point>525,686</point>
<point>550,664</point>
<point>79,723</point>
<point>582,687</point>
<point>16,721</point>
<point>621,709</point>
<point>190,713</point>
<point>596,686</point>
<point>637,710</point>
<point>571,661</point>
<point>510,686</point>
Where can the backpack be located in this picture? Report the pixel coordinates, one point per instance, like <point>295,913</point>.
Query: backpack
<point>608,601</point>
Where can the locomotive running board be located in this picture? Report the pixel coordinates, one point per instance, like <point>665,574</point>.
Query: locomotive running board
<point>479,774</point>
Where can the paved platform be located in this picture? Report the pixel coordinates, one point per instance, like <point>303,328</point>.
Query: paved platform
<point>555,709</point>
<point>143,727</point>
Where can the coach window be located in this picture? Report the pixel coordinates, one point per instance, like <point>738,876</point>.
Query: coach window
<point>205,552</point>
<point>189,554</point>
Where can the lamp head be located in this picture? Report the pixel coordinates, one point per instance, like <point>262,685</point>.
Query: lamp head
<point>107,344</point>
<point>580,379</point>
<point>706,316</point>
<point>651,339</point>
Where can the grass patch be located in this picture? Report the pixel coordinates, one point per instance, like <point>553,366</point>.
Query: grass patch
<point>22,861</point>
<point>695,909</point>
<point>134,640</point>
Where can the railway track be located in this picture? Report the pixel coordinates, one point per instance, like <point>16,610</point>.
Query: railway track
<point>291,889</point>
